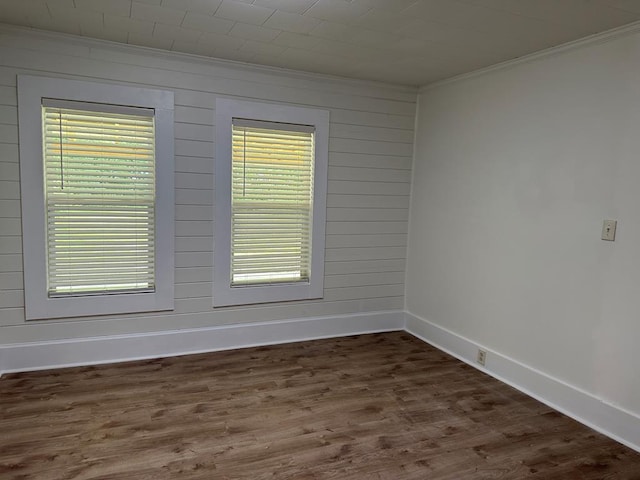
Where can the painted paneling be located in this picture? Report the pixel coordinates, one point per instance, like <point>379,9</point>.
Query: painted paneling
<point>371,151</point>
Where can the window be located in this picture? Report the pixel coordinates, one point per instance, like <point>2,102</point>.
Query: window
<point>100,199</point>
<point>271,202</point>
<point>271,181</point>
<point>97,183</point>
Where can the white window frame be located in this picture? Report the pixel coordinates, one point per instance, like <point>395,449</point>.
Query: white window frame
<point>223,293</point>
<point>38,304</point>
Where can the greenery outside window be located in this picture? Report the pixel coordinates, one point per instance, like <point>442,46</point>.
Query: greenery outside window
<point>272,202</point>
<point>100,199</point>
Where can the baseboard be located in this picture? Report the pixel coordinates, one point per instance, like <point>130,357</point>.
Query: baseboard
<point>612,421</point>
<point>582,406</point>
<point>119,348</point>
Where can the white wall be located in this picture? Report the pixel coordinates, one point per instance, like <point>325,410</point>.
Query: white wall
<point>515,171</point>
<point>371,147</point>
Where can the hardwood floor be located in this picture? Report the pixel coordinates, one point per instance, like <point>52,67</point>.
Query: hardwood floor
<point>383,406</point>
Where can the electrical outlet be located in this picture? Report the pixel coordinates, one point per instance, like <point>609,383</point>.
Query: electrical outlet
<point>482,356</point>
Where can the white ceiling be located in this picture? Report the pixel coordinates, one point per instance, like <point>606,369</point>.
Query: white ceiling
<point>411,42</point>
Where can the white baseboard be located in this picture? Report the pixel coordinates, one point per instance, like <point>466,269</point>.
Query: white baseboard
<point>612,421</point>
<point>119,348</point>
<point>620,425</point>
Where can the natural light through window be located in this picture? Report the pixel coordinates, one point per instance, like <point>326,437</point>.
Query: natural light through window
<point>272,202</point>
<point>100,198</point>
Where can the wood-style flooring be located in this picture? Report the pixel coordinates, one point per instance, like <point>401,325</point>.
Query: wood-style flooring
<point>384,406</point>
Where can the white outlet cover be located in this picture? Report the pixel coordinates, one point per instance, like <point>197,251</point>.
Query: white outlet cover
<point>482,357</point>
<point>609,230</point>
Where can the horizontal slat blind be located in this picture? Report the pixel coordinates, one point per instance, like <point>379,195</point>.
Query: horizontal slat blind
<point>272,202</point>
<point>100,194</point>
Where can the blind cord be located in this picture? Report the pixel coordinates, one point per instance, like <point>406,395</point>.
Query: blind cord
<point>61,164</point>
<point>244,163</point>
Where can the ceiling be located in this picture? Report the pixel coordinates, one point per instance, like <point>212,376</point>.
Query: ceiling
<point>410,42</point>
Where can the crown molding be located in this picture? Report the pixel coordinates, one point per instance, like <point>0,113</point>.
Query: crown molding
<point>590,40</point>
<point>204,60</point>
<point>595,39</point>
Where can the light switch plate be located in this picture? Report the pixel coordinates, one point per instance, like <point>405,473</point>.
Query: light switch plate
<point>609,230</point>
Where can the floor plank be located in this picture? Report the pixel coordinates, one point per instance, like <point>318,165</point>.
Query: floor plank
<point>381,407</point>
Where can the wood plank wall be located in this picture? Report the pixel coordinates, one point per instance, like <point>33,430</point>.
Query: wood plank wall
<point>371,148</point>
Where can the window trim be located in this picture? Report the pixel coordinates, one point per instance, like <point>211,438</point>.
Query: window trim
<point>223,293</point>
<point>38,305</point>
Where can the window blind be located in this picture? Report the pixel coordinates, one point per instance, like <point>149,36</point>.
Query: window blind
<point>272,202</point>
<point>99,168</point>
